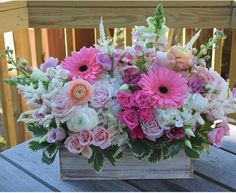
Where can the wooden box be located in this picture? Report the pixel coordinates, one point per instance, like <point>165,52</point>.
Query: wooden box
<point>75,167</point>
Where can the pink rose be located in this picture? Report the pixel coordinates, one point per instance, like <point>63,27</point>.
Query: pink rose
<point>216,135</point>
<point>62,108</point>
<point>56,134</point>
<point>102,138</point>
<point>152,130</point>
<point>125,100</point>
<point>175,133</point>
<point>130,118</point>
<point>146,114</point>
<point>101,95</point>
<point>85,137</point>
<point>73,145</point>
<point>137,133</point>
<point>142,99</point>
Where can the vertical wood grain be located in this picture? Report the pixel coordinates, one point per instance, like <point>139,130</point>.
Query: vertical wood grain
<point>218,55</point>
<point>84,38</point>
<point>69,40</point>
<point>7,100</point>
<point>23,50</point>
<point>38,46</point>
<point>128,36</point>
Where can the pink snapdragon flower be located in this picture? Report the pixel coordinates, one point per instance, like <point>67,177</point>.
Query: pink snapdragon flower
<point>102,138</point>
<point>216,135</point>
<point>105,61</point>
<point>130,118</point>
<point>125,100</point>
<point>56,134</point>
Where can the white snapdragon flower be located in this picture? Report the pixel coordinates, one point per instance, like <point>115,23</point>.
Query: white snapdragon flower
<point>84,118</point>
<point>199,103</point>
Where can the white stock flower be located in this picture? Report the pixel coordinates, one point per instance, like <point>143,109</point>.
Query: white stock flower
<point>199,103</point>
<point>83,118</point>
<point>39,75</point>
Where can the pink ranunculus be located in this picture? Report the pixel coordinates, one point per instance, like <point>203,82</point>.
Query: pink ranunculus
<point>152,130</point>
<point>55,135</point>
<point>85,137</point>
<point>175,133</point>
<point>102,138</point>
<point>62,107</point>
<point>105,61</point>
<point>125,100</point>
<point>216,135</point>
<point>137,133</point>
<point>101,95</point>
<point>130,118</point>
<point>142,99</point>
<point>73,145</point>
<point>146,114</point>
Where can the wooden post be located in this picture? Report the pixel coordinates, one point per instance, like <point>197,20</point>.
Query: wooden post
<point>23,50</point>
<point>69,40</point>
<point>218,56</point>
<point>7,100</point>
<point>128,36</point>
<point>38,46</point>
<point>84,38</point>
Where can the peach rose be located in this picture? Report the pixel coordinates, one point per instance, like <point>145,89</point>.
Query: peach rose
<point>183,57</point>
<point>79,92</point>
<point>102,138</point>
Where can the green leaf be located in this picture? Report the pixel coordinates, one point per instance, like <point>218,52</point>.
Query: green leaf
<point>174,150</point>
<point>37,131</point>
<point>98,160</point>
<point>191,153</point>
<point>139,148</point>
<point>110,153</point>
<point>35,145</point>
<point>49,153</point>
<point>48,160</point>
<point>155,156</point>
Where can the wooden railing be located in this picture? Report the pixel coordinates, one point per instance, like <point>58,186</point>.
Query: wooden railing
<point>39,29</point>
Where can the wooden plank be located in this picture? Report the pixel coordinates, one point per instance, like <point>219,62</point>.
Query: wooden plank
<point>233,19</point>
<point>7,100</point>
<point>129,3</point>
<point>229,142</point>
<point>38,46</point>
<point>219,166</point>
<point>14,19</point>
<point>15,180</point>
<point>69,40</point>
<point>127,17</point>
<point>197,184</point>
<point>218,56</point>
<point>23,50</point>
<point>128,36</point>
<point>9,5</point>
<point>84,38</point>
<point>75,167</point>
<point>53,43</point>
<point>50,173</point>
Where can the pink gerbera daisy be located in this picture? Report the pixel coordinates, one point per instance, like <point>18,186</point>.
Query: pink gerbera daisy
<point>167,87</point>
<point>83,64</point>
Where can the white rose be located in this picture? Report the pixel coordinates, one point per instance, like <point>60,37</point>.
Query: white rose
<point>199,103</point>
<point>39,75</point>
<point>83,118</point>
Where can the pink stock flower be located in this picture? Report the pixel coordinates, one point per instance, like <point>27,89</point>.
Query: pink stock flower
<point>125,100</point>
<point>152,130</point>
<point>105,61</point>
<point>79,92</point>
<point>146,114</point>
<point>83,64</point>
<point>56,134</point>
<point>175,133</point>
<point>234,92</point>
<point>130,118</point>
<point>85,137</point>
<point>167,88</point>
<point>102,138</point>
<point>137,133</point>
<point>62,107</point>
<point>216,135</point>
<point>50,62</point>
<point>142,99</point>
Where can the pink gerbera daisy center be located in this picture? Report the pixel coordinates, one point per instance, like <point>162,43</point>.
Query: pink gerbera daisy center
<point>163,89</point>
<point>83,68</point>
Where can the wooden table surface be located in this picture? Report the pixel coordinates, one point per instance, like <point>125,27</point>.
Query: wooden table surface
<point>22,170</point>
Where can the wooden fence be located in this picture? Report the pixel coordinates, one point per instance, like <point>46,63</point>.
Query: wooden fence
<point>39,29</point>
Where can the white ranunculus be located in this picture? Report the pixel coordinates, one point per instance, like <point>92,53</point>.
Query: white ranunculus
<point>199,103</point>
<point>83,118</point>
<point>39,75</point>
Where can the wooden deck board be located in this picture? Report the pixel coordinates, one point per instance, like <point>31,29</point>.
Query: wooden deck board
<point>13,179</point>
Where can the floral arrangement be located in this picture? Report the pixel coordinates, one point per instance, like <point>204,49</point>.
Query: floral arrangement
<point>100,99</point>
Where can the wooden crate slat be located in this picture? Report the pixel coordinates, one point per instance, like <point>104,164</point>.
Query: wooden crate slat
<point>75,167</point>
